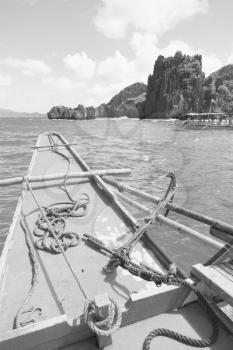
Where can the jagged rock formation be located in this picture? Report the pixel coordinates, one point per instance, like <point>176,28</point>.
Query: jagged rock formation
<point>61,112</point>
<point>122,104</point>
<point>219,90</point>
<point>175,87</point>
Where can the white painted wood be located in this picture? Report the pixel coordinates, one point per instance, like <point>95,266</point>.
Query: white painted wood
<point>215,280</point>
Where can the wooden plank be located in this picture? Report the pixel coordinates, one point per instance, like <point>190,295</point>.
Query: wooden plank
<point>59,331</point>
<point>153,302</point>
<point>48,334</point>
<point>222,271</point>
<point>225,320</point>
<point>221,285</point>
<point>229,265</point>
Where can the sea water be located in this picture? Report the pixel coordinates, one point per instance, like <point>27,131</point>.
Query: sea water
<point>202,161</point>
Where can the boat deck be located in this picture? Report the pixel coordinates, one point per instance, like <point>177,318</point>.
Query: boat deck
<point>56,291</point>
<point>190,321</point>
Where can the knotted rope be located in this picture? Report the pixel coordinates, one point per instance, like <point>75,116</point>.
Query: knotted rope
<point>106,326</point>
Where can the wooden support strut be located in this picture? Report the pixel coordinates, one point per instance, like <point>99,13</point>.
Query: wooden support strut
<point>21,179</point>
<point>102,307</point>
<point>222,226</point>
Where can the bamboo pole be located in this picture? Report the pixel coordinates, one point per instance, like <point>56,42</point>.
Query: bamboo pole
<point>218,224</point>
<point>39,178</point>
<point>175,225</point>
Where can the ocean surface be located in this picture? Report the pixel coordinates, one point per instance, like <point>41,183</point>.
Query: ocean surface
<point>201,160</point>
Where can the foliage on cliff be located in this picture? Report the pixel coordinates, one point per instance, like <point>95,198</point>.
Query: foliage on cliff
<point>175,87</point>
<point>219,90</point>
<point>122,104</point>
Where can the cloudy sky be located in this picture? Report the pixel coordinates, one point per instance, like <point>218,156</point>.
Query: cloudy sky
<point>67,52</point>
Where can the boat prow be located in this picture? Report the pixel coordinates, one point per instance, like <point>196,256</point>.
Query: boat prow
<point>52,281</point>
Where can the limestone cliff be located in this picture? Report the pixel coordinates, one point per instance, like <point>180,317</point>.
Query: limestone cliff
<point>175,87</point>
<point>122,104</point>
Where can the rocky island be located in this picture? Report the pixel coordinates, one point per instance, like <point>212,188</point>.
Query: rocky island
<point>122,104</point>
<point>177,86</point>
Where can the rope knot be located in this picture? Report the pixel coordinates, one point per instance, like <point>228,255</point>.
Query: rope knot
<point>106,326</point>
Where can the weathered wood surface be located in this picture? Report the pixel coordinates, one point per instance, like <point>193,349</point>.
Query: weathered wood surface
<point>217,279</point>
<point>60,331</point>
<point>69,175</point>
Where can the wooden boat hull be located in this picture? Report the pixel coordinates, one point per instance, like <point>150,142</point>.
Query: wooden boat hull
<point>56,292</point>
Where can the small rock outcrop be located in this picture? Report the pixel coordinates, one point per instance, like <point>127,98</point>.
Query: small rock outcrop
<point>122,104</point>
<point>218,92</point>
<point>175,87</point>
<point>61,112</point>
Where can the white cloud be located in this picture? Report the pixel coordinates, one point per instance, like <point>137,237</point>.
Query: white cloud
<point>230,59</point>
<point>30,66</point>
<point>115,17</point>
<point>27,73</point>
<point>62,83</point>
<point>81,64</point>
<point>211,63</point>
<point>5,80</point>
<point>116,68</point>
<point>3,95</point>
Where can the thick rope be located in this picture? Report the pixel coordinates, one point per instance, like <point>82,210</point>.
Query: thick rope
<point>24,309</point>
<point>108,325</point>
<point>198,343</point>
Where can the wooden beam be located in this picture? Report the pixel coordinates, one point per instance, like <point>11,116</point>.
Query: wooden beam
<point>57,332</point>
<point>20,179</point>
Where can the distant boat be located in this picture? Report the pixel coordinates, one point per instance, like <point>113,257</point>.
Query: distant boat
<point>202,121</point>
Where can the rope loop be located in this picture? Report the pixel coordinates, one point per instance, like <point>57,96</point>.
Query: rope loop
<point>108,325</point>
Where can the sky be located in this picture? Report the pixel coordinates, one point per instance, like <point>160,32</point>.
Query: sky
<point>67,52</point>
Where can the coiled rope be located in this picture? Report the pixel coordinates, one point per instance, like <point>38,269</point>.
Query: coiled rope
<point>57,216</point>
